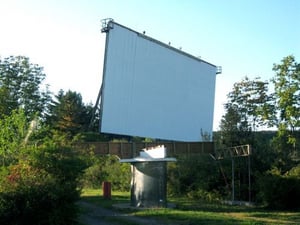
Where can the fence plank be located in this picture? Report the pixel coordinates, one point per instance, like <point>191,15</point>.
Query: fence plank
<point>131,149</point>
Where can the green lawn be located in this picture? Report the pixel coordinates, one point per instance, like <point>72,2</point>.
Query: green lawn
<point>190,212</point>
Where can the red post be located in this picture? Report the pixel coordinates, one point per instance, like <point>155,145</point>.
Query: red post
<point>106,187</point>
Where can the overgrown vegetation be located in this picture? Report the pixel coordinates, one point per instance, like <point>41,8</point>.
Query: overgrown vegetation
<point>195,176</point>
<point>38,183</point>
<point>39,172</point>
<point>281,191</point>
<point>107,168</point>
<point>254,105</point>
<point>41,188</point>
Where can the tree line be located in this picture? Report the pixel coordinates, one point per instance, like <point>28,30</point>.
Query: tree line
<point>40,171</point>
<point>266,115</point>
<point>254,105</point>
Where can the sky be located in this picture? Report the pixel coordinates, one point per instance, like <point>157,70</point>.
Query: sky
<point>64,37</point>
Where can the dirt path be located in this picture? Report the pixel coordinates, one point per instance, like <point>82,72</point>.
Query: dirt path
<point>96,215</point>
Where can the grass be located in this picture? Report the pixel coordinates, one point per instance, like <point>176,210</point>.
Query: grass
<point>191,217</point>
<point>189,212</point>
<point>95,196</point>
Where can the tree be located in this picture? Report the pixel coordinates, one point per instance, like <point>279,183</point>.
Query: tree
<point>68,114</point>
<point>287,111</point>
<point>21,87</point>
<point>287,94</point>
<point>12,134</point>
<point>230,127</point>
<point>252,106</point>
<point>250,98</point>
<point>247,109</point>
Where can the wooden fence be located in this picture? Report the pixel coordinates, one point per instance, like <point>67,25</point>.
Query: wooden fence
<point>126,150</point>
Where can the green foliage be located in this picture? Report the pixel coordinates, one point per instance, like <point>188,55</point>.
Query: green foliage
<point>107,168</point>
<point>21,86</point>
<point>294,172</point>
<point>233,131</point>
<point>91,137</point>
<point>12,135</point>
<point>287,92</point>
<point>247,109</point>
<point>68,114</point>
<point>252,106</point>
<point>64,162</point>
<point>249,98</point>
<point>25,195</point>
<point>205,196</point>
<point>194,174</point>
<point>42,188</point>
<point>263,155</point>
<point>284,151</point>
<point>287,109</point>
<point>281,191</point>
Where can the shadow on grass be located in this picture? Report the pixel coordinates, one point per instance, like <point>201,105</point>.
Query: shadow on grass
<point>189,204</point>
<point>104,202</point>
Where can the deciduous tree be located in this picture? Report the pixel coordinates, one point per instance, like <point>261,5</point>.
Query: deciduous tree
<point>21,86</point>
<point>287,110</point>
<point>13,129</point>
<point>247,109</point>
<point>287,94</point>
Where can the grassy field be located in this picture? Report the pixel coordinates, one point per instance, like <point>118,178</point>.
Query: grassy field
<point>188,212</point>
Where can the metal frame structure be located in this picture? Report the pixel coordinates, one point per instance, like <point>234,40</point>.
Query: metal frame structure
<point>236,152</point>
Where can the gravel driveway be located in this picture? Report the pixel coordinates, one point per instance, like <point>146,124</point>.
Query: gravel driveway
<point>95,215</point>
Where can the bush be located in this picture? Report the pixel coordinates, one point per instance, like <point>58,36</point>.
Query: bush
<point>193,173</point>
<point>205,196</point>
<point>94,176</point>
<point>31,196</point>
<point>107,168</point>
<point>280,191</point>
<point>41,189</point>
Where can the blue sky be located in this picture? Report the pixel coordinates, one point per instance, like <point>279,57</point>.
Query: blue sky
<point>244,37</point>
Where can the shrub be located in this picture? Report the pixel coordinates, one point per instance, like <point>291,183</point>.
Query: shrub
<point>65,163</point>
<point>205,196</point>
<point>107,168</point>
<point>94,176</point>
<point>30,196</point>
<point>280,191</point>
<point>41,189</point>
<point>192,173</point>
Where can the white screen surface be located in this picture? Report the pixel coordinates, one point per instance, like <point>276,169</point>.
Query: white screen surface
<point>153,90</point>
